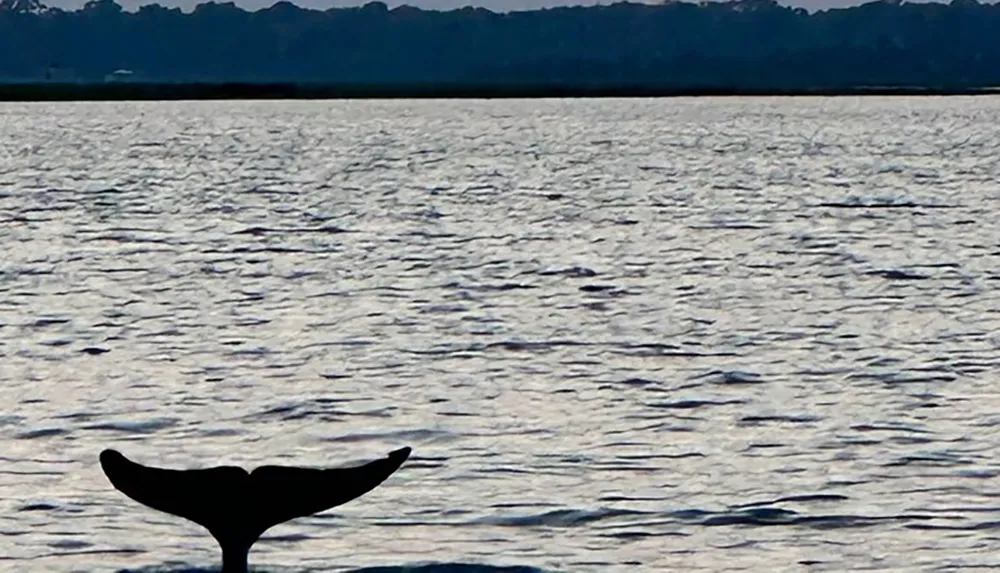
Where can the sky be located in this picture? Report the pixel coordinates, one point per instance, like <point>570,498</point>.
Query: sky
<point>495,5</point>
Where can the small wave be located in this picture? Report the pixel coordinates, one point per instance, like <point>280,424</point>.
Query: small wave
<point>422,436</point>
<point>774,516</point>
<point>806,498</point>
<point>899,275</point>
<point>777,419</point>
<point>730,377</point>
<point>490,287</point>
<point>754,514</point>
<point>517,345</point>
<point>598,288</point>
<point>11,420</point>
<point>135,427</point>
<point>559,518</point>
<point>322,409</point>
<point>414,568</point>
<point>571,272</point>
<point>41,433</point>
<point>450,568</point>
<point>693,404</point>
<point>258,231</point>
<point>38,507</point>
<point>95,350</point>
<point>859,204</point>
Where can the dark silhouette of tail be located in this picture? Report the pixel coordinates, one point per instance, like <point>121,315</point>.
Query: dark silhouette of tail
<point>236,507</point>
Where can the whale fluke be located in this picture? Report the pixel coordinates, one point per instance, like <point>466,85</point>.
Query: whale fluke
<point>236,507</point>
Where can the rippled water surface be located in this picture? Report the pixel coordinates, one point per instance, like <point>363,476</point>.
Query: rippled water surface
<point>643,335</point>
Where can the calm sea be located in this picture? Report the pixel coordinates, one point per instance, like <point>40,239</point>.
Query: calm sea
<point>620,335</point>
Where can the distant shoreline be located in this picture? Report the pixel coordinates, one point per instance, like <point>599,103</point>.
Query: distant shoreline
<point>132,91</point>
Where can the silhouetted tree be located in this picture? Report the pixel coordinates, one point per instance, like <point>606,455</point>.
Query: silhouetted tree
<point>746,43</point>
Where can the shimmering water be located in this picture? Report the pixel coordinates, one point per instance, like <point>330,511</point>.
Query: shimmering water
<point>689,335</point>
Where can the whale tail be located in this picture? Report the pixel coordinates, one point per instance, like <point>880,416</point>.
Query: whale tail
<point>235,506</point>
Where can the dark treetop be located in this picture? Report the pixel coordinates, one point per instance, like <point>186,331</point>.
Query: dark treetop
<point>744,45</point>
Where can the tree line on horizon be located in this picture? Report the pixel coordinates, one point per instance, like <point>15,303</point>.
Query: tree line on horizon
<point>749,44</point>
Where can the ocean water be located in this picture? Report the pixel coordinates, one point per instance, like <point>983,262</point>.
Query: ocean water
<point>620,335</point>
